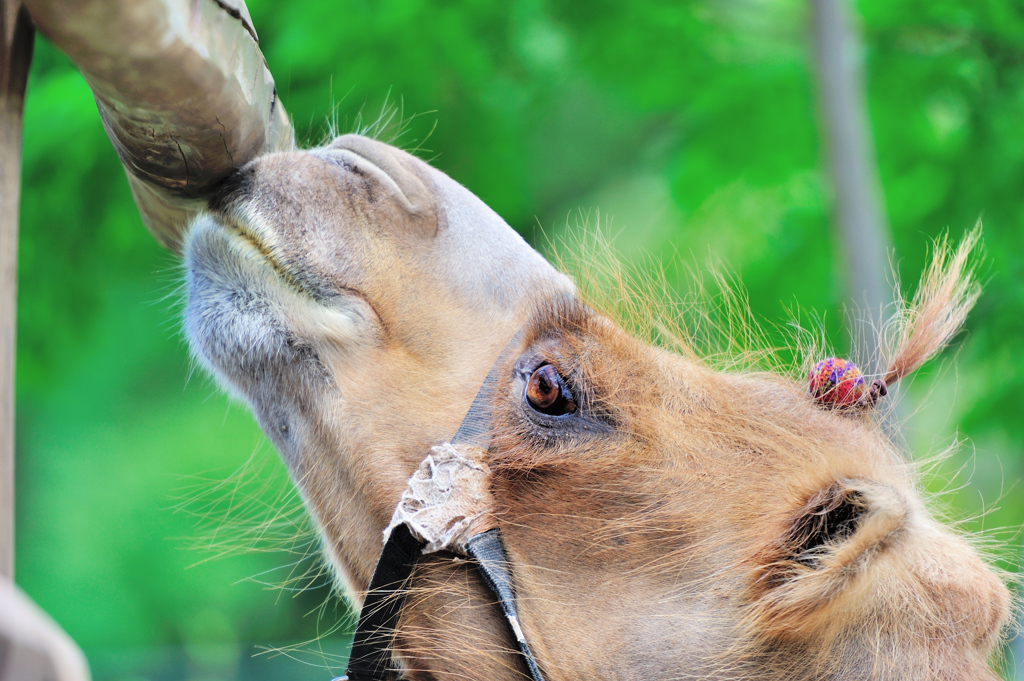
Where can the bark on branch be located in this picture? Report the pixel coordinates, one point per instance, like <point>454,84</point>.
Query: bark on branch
<point>183,91</point>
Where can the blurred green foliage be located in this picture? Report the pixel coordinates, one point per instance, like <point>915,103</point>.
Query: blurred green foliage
<point>688,130</point>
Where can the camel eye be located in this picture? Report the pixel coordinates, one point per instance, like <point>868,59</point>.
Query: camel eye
<point>547,392</point>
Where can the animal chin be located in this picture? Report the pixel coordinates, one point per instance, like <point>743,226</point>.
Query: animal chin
<point>254,325</point>
<point>230,317</point>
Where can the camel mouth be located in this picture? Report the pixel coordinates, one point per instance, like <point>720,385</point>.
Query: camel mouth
<point>365,166</point>
<point>228,254</point>
<point>252,243</point>
<point>241,232</point>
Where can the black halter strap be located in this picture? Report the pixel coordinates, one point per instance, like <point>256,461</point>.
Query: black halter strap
<point>371,659</point>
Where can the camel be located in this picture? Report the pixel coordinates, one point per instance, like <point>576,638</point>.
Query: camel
<point>663,519</point>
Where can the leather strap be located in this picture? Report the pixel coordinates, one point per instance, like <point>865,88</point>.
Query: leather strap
<point>488,551</point>
<point>370,659</point>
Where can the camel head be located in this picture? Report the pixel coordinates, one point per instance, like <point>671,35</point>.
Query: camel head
<point>662,519</point>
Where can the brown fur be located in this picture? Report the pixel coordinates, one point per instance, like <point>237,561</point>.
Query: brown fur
<point>684,523</point>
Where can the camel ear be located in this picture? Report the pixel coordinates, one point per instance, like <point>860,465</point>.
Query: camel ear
<point>827,545</point>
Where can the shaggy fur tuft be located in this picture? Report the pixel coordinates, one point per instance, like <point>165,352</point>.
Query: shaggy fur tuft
<point>947,292</point>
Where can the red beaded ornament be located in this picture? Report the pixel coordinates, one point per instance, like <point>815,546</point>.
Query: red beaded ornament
<point>837,383</point>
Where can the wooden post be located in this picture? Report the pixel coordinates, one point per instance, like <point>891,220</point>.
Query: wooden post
<point>859,216</point>
<point>185,97</point>
<point>15,56</point>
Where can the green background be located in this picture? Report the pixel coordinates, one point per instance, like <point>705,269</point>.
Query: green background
<point>154,522</point>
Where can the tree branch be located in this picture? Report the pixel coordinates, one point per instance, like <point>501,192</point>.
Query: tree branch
<point>183,91</point>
